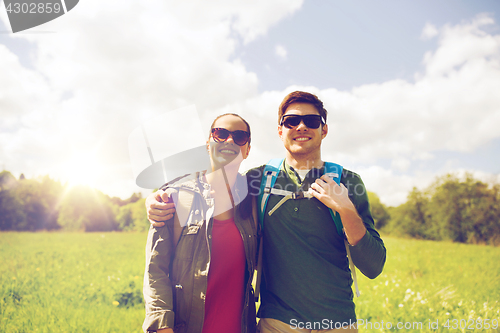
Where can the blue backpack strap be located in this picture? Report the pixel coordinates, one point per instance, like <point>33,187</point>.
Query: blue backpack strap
<point>335,172</point>
<point>269,176</point>
<point>271,171</point>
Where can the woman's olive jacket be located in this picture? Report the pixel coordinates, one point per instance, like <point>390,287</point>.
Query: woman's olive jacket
<point>175,279</point>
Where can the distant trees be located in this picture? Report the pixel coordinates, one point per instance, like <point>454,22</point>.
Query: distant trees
<point>461,210</point>
<point>27,204</point>
<point>133,216</point>
<point>465,211</point>
<point>458,209</point>
<point>45,204</point>
<point>7,180</point>
<point>379,211</point>
<point>85,209</point>
<point>11,209</point>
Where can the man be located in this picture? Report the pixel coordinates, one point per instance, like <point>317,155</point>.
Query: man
<point>306,281</point>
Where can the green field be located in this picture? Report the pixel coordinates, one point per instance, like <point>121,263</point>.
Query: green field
<point>91,282</point>
<point>425,281</point>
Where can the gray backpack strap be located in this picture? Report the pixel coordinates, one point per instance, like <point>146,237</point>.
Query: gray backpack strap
<point>259,260</point>
<point>183,200</point>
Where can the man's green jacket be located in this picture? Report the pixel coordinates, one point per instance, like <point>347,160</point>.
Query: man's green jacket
<point>306,275</point>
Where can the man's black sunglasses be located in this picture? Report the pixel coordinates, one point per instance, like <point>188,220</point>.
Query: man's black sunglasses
<point>239,137</point>
<point>311,120</point>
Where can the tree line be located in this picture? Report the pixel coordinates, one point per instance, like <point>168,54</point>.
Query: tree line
<point>460,209</point>
<point>46,204</point>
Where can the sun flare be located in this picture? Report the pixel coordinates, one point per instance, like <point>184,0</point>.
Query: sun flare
<point>81,169</point>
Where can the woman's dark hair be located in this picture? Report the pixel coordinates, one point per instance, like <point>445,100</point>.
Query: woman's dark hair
<point>231,114</point>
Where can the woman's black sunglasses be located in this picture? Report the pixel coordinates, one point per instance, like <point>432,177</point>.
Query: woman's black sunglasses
<point>311,120</point>
<point>239,137</point>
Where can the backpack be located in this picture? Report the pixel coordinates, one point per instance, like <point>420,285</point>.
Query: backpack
<point>269,176</point>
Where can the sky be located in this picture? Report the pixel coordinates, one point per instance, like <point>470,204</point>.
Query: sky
<point>411,87</point>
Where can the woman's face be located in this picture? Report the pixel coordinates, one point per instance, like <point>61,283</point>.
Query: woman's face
<point>223,153</point>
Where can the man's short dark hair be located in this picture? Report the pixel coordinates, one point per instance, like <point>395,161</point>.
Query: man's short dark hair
<point>302,97</point>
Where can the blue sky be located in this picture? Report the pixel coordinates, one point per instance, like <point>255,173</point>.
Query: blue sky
<point>344,44</point>
<point>411,86</point>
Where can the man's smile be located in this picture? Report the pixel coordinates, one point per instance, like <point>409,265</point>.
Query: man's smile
<point>302,138</point>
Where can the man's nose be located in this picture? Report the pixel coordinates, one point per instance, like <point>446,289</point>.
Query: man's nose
<point>301,125</point>
<point>230,138</point>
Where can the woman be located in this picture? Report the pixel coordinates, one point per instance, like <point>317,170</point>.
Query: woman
<point>198,278</point>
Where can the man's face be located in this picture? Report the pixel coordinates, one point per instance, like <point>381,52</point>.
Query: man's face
<point>301,140</point>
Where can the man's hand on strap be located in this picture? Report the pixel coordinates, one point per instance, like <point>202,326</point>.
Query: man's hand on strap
<point>336,197</point>
<point>159,208</point>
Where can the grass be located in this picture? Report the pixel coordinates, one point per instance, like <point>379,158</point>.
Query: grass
<point>63,282</point>
<point>425,281</point>
<point>91,282</point>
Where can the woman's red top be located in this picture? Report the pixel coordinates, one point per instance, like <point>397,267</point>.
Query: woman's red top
<point>226,275</point>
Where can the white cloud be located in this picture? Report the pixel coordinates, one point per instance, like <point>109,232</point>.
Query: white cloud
<point>430,31</point>
<point>392,188</point>
<point>461,44</point>
<point>455,108</point>
<point>400,164</point>
<point>16,97</point>
<point>281,52</point>
<point>118,62</point>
